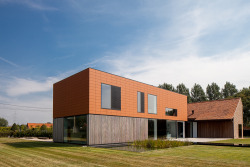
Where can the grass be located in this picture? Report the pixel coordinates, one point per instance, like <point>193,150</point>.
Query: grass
<point>159,143</point>
<point>235,141</point>
<point>18,152</point>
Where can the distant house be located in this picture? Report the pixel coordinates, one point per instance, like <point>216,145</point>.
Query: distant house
<point>215,119</point>
<point>35,125</point>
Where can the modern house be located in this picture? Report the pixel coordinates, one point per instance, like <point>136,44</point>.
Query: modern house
<point>95,107</point>
<point>215,119</point>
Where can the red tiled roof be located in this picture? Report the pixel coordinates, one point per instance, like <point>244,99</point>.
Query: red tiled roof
<point>34,125</point>
<point>213,110</point>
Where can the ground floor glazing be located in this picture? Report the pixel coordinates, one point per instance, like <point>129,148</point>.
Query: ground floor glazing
<point>75,129</point>
<point>165,129</point>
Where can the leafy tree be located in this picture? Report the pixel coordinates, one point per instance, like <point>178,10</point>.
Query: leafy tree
<point>167,87</point>
<point>14,127</point>
<point>229,90</point>
<point>43,127</point>
<point>197,93</point>
<point>3,122</point>
<point>23,127</point>
<point>213,92</point>
<point>182,89</point>
<point>244,94</point>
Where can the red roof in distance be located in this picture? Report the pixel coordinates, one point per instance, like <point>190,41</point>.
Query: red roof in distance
<point>34,125</point>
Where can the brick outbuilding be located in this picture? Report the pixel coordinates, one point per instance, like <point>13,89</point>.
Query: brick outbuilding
<point>215,119</point>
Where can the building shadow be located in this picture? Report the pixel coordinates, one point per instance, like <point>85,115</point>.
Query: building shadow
<point>35,144</point>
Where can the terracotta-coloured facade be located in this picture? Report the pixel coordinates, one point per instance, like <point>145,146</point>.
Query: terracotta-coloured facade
<point>81,94</point>
<point>71,95</point>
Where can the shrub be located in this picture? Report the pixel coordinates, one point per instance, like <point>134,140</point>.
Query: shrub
<point>21,131</point>
<point>160,143</point>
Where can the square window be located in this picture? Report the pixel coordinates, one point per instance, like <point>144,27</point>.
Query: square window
<point>111,97</point>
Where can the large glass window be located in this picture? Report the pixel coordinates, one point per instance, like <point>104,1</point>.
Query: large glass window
<point>111,97</point>
<point>152,104</point>
<point>180,130</point>
<point>161,129</point>
<point>75,129</point>
<point>188,129</point>
<point>140,102</point>
<point>171,129</point>
<point>152,129</point>
<point>171,112</point>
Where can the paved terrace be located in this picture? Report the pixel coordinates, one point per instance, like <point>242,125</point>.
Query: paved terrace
<point>201,139</point>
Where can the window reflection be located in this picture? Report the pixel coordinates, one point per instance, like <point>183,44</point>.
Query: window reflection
<point>75,129</point>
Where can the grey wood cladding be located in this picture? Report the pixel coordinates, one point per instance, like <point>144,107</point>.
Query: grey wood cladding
<point>58,130</point>
<point>105,129</point>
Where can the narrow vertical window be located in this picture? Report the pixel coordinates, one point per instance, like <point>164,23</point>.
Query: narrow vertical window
<point>152,104</point>
<point>115,98</point>
<point>140,102</point>
<point>106,96</point>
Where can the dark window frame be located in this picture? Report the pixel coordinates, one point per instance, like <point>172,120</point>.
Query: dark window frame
<point>111,108</point>
<point>174,111</point>
<point>142,103</point>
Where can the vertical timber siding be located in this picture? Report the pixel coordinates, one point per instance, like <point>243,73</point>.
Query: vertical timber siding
<point>105,129</point>
<point>215,129</point>
<point>58,130</point>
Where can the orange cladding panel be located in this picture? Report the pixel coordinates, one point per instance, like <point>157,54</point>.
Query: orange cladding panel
<point>129,89</point>
<point>71,95</point>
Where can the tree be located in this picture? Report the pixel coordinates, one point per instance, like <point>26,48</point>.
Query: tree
<point>43,127</point>
<point>167,87</point>
<point>3,122</point>
<point>182,89</point>
<point>213,92</point>
<point>197,93</point>
<point>244,94</point>
<point>14,127</point>
<point>229,90</point>
<point>23,127</point>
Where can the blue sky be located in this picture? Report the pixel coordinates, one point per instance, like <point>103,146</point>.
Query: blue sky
<point>158,41</point>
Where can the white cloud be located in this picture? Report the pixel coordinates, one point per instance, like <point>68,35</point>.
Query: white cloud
<point>21,86</point>
<point>33,4</point>
<point>173,53</point>
<point>23,115</point>
<point>9,62</point>
<point>189,70</point>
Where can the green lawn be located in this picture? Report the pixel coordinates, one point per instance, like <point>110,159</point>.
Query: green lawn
<point>18,152</point>
<point>235,141</point>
